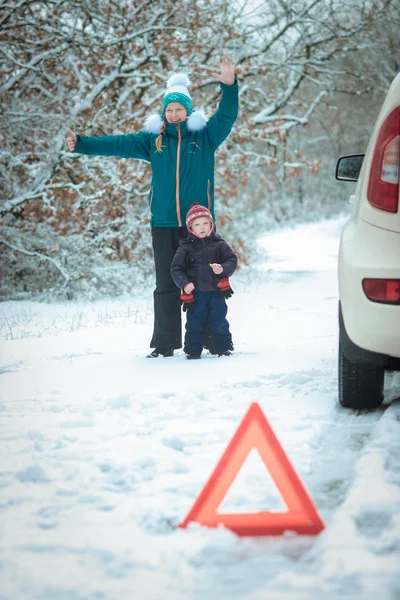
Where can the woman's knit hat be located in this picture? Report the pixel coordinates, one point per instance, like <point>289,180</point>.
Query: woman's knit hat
<point>177,91</point>
<point>196,211</point>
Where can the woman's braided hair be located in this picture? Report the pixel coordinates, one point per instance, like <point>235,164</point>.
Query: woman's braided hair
<point>159,139</point>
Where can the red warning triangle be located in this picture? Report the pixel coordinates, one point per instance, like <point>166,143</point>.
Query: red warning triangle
<point>255,432</point>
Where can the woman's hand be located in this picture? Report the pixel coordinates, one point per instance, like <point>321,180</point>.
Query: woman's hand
<point>217,269</point>
<point>71,140</point>
<point>228,72</point>
<point>189,287</point>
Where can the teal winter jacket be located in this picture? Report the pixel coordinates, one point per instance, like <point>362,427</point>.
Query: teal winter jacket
<point>183,172</point>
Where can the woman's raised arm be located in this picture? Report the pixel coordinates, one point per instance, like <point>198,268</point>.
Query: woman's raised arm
<point>131,145</point>
<point>220,124</point>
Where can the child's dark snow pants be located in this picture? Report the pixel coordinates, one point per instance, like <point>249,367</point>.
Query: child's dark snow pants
<point>167,332</point>
<point>210,308</point>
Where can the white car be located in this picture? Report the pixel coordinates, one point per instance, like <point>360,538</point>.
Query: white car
<point>369,263</point>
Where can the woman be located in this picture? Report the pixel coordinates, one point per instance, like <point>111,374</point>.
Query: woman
<point>180,146</point>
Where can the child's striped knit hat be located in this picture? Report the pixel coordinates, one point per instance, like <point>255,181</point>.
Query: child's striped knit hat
<point>196,211</point>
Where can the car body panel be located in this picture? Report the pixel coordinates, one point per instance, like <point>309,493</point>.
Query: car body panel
<point>370,325</point>
<point>367,212</point>
<point>370,248</point>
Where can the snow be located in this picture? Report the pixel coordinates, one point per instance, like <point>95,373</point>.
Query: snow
<point>103,451</point>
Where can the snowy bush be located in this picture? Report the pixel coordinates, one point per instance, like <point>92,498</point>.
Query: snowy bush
<point>78,226</point>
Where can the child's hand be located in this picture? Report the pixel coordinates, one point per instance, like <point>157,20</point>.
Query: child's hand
<point>216,268</point>
<point>189,287</point>
<point>228,72</point>
<point>71,140</point>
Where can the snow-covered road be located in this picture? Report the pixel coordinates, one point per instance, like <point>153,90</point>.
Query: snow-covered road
<point>103,452</point>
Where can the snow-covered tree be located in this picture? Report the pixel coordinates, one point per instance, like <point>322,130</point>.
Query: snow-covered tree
<point>78,224</point>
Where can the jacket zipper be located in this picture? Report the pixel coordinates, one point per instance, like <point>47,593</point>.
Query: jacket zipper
<point>204,255</point>
<point>206,264</point>
<point>209,195</point>
<point>178,160</point>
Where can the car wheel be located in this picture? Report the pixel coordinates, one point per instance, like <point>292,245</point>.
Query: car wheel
<point>360,384</point>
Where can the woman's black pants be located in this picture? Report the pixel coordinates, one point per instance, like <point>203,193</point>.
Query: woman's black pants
<point>167,331</point>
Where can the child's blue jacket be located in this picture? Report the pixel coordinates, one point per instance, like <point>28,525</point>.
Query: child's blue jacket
<point>183,172</point>
<point>191,263</point>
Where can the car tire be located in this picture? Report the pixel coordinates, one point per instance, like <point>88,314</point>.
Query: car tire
<point>360,384</point>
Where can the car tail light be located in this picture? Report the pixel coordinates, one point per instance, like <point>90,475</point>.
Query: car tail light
<point>383,185</point>
<point>386,291</point>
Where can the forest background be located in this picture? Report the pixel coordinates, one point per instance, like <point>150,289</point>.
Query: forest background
<point>312,76</point>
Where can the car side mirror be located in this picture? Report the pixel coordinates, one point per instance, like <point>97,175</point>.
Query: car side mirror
<point>348,167</point>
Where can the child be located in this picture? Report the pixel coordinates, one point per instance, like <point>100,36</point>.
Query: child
<point>201,265</point>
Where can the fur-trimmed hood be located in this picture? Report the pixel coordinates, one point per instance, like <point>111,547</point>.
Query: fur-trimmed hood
<point>195,122</point>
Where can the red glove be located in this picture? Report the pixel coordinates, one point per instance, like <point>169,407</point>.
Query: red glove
<point>188,301</point>
<point>224,287</point>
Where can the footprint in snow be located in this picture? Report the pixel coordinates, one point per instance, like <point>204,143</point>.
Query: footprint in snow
<point>119,402</point>
<point>33,474</point>
<point>371,523</point>
<point>48,517</point>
